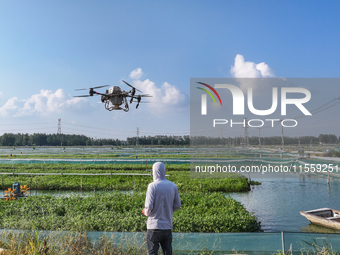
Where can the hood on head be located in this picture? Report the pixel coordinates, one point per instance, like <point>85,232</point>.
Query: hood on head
<point>158,171</point>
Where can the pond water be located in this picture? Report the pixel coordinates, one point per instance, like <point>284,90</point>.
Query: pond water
<point>277,201</point>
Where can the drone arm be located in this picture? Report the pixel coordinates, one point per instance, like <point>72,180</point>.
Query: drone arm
<point>97,93</point>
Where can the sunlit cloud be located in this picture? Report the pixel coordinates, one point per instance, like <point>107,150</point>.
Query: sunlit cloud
<point>43,104</point>
<point>136,74</point>
<point>246,69</point>
<point>167,97</point>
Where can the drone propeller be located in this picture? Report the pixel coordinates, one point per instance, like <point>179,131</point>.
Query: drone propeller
<point>132,86</point>
<point>82,96</point>
<point>98,87</point>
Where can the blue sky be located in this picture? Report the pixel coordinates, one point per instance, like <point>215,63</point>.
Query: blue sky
<point>50,48</point>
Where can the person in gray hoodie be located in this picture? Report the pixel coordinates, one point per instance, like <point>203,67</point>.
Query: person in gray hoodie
<point>162,199</point>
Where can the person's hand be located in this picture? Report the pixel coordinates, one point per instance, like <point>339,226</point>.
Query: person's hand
<point>143,211</point>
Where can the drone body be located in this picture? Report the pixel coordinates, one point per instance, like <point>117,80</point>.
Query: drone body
<point>116,99</point>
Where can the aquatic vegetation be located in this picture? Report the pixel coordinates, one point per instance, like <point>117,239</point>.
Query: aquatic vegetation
<point>229,182</point>
<point>118,212</point>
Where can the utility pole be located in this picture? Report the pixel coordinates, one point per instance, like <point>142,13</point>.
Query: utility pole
<point>137,141</point>
<point>246,138</point>
<point>221,135</point>
<point>260,138</point>
<point>59,126</point>
<point>282,140</point>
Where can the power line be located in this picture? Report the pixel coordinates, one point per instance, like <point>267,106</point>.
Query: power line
<point>25,129</point>
<point>25,124</point>
<point>125,131</point>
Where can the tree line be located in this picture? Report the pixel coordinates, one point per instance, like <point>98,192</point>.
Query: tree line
<point>272,140</point>
<point>40,139</point>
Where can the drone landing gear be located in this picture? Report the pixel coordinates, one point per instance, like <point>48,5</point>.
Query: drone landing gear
<point>110,107</point>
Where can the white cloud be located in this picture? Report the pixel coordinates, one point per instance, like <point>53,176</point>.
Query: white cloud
<point>164,98</point>
<point>136,74</point>
<point>10,107</point>
<point>43,104</point>
<point>247,69</point>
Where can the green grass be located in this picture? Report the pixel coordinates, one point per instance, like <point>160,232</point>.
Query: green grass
<point>66,244</point>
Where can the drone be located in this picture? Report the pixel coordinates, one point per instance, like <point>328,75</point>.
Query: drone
<point>116,99</point>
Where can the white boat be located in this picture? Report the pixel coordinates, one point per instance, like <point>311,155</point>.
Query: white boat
<point>324,217</point>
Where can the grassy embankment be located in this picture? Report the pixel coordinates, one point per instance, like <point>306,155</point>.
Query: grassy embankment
<point>61,243</point>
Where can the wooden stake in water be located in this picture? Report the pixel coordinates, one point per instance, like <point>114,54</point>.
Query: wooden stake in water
<point>328,178</point>
<point>283,242</point>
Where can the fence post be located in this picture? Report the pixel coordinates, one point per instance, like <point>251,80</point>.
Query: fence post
<point>283,242</point>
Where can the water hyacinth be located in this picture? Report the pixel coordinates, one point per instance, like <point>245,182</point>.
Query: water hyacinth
<point>117,212</point>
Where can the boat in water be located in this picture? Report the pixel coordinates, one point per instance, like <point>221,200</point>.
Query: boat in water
<point>324,217</point>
